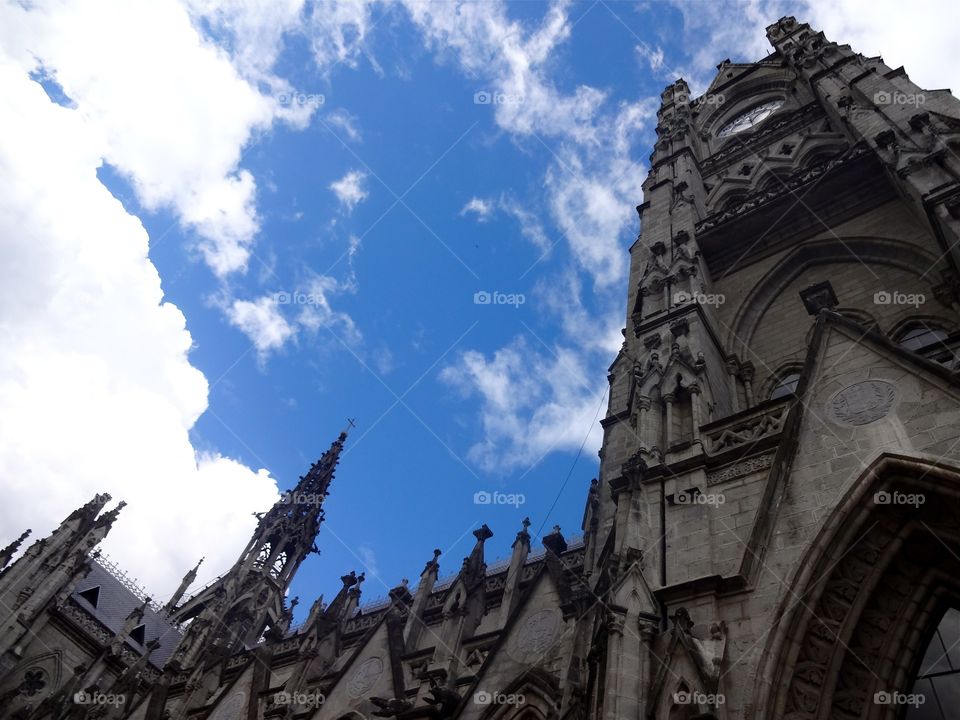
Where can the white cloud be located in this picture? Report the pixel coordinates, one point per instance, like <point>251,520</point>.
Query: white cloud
<point>532,402</point>
<point>903,33</point>
<point>532,399</point>
<point>342,119</point>
<point>165,107</point>
<point>530,226</point>
<point>369,559</point>
<point>255,30</point>
<point>261,321</point>
<point>338,31</point>
<point>271,321</point>
<point>886,27</point>
<point>97,391</point>
<point>514,61</point>
<point>349,189</point>
<point>317,312</point>
<point>480,207</point>
<point>653,57</point>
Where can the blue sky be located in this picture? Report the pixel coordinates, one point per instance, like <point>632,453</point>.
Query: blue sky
<point>320,193</point>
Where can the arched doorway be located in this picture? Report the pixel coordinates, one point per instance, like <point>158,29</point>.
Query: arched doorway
<point>867,600</point>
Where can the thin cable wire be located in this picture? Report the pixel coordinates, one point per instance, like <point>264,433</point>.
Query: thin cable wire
<point>574,465</point>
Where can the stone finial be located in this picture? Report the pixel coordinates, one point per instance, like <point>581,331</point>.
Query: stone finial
<point>555,542</point>
<point>523,536</point>
<point>483,533</point>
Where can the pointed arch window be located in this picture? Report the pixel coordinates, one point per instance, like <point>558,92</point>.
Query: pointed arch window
<point>932,343</point>
<point>278,564</point>
<point>263,556</point>
<point>938,677</point>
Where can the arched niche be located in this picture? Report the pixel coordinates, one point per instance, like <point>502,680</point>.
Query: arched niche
<point>860,608</point>
<point>872,252</point>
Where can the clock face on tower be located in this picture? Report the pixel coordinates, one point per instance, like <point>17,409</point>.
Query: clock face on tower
<point>752,117</point>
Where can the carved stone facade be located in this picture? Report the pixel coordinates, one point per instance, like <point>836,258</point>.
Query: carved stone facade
<point>773,533</point>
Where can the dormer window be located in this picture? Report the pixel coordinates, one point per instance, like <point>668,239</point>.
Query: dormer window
<point>91,595</point>
<point>139,634</point>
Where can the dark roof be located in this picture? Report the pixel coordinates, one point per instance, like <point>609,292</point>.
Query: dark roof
<point>116,601</point>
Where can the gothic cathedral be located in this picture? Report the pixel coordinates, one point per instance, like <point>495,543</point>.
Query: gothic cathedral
<point>775,530</point>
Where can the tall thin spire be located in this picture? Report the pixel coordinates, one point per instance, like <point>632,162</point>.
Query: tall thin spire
<point>248,599</point>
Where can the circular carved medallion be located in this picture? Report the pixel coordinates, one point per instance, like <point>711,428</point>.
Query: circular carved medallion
<point>536,636</point>
<point>364,677</point>
<point>863,402</point>
<point>233,707</point>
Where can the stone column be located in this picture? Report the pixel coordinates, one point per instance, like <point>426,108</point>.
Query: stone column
<point>747,374</point>
<point>648,658</point>
<point>668,431</point>
<point>695,411</point>
<point>615,701</point>
<point>643,425</point>
<point>734,388</point>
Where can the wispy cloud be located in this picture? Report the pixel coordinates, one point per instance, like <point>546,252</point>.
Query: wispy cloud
<point>478,207</point>
<point>349,189</point>
<point>346,122</point>
<point>261,321</point>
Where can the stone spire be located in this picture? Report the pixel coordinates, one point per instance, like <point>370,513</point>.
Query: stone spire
<point>248,599</point>
<point>415,624</point>
<point>463,610</point>
<point>187,581</point>
<point>511,588</point>
<point>50,568</point>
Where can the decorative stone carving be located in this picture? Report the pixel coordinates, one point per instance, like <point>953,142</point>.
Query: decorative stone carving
<point>536,636</point>
<point>232,707</point>
<point>364,677</point>
<point>740,469</point>
<point>789,186</point>
<point>863,403</point>
<point>746,431</point>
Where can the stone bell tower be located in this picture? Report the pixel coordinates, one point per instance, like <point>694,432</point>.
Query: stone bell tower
<point>791,326</point>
